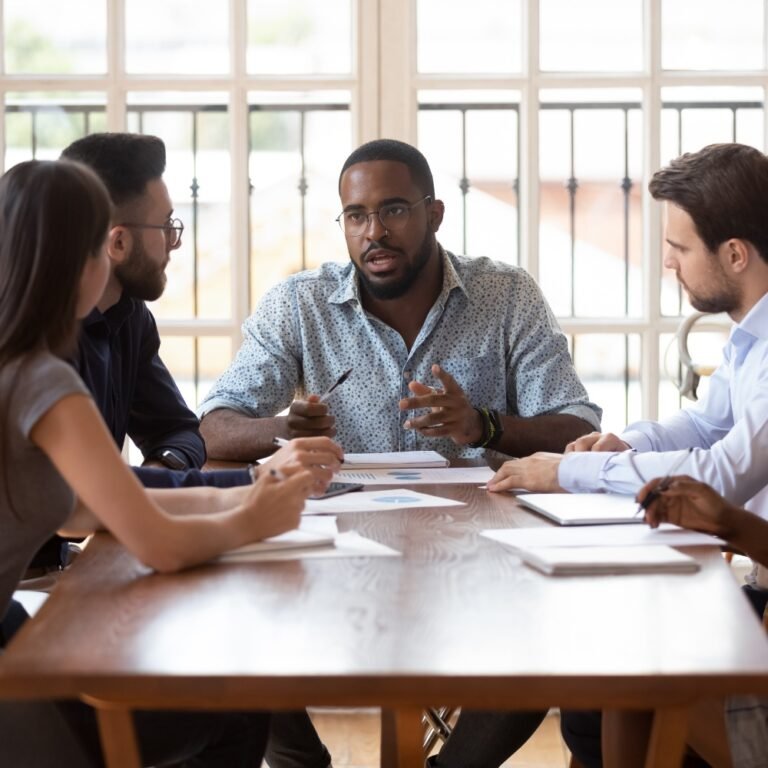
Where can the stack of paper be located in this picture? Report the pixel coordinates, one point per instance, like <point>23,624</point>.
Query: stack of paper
<point>415,475</point>
<point>394,459</point>
<point>571,561</point>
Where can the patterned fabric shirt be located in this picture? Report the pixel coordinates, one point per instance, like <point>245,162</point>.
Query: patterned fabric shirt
<point>490,328</point>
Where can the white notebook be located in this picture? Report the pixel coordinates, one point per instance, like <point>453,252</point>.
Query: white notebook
<point>394,460</point>
<point>296,539</point>
<point>583,508</point>
<point>578,561</point>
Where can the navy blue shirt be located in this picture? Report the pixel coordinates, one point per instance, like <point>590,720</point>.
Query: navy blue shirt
<point>119,361</point>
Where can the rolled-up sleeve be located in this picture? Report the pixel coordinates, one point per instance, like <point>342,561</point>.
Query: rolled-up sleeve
<point>266,372</point>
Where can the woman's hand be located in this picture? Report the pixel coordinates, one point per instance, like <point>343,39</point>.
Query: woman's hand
<point>318,455</point>
<point>274,502</point>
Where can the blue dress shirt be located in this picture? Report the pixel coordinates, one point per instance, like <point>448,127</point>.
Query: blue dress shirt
<point>728,431</point>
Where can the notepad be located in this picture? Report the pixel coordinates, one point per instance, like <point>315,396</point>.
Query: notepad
<point>583,508</point>
<point>394,460</point>
<point>296,539</point>
<point>580,561</point>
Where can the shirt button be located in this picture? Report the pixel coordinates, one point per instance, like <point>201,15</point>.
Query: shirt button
<point>407,375</point>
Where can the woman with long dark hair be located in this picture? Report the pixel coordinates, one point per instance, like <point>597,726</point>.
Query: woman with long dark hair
<point>59,465</point>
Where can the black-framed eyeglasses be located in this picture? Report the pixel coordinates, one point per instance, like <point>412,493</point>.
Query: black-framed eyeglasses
<point>173,229</point>
<point>393,217</point>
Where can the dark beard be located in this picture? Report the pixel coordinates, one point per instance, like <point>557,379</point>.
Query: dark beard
<point>139,277</point>
<point>715,304</point>
<point>728,299</point>
<point>388,291</point>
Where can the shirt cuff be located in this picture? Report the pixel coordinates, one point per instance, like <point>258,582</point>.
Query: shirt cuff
<point>215,403</point>
<point>637,440</point>
<point>581,472</point>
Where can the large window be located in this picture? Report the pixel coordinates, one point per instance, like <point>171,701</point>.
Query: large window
<point>542,120</point>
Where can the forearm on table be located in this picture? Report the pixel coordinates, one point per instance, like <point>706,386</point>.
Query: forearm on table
<point>197,501</point>
<point>233,436</point>
<point>749,534</point>
<point>549,432</point>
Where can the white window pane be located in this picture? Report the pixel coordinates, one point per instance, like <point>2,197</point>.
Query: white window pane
<point>298,146</point>
<point>485,39</point>
<point>591,35</point>
<point>609,367</point>
<point>299,37</point>
<point>471,142</point>
<point>40,125</point>
<point>591,204</point>
<point>712,35</point>
<point>196,136</point>
<point>177,37</point>
<point>40,39</point>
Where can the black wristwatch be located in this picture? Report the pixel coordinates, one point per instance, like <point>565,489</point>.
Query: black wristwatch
<point>171,459</point>
<point>492,428</point>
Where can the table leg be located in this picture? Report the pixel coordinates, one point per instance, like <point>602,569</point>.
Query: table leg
<point>668,734</point>
<point>401,739</point>
<point>118,737</point>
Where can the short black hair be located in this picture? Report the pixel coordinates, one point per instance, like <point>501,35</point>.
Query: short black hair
<point>398,152</point>
<point>125,162</point>
<point>724,189</point>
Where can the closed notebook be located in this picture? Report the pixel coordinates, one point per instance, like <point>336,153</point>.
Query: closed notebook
<point>579,561</point>
<point>296,539</point>
<point>394,460</point>
<point>583,508</point>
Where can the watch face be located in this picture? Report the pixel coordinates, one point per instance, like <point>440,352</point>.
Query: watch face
<point>172,460</point>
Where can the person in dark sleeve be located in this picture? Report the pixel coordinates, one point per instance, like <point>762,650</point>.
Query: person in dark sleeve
<point>118,359</point>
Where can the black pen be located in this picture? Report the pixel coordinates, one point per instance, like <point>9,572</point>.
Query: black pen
<point>344,376</point>
<point>663,485</point>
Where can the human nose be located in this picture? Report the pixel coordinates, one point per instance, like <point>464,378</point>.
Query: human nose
<point>669,260</point>
<point>374,220</point>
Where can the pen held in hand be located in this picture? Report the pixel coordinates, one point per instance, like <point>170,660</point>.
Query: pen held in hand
<point>344,376</point>
<point>663,485</point>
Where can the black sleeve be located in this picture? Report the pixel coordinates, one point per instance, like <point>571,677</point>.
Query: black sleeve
<point>157,477</point>
<point>159,417</point>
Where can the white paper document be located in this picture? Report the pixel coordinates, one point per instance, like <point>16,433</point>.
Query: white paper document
<point>583,508</point>
<point>577,561</point>
<point>296,539</point>
<point>602,536</point>
<point>393,459</point>
<point>348,544</point>
<point>415,476</point>
<point>373,501</point>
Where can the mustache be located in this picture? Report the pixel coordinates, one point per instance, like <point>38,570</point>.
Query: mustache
<point>377,245</point>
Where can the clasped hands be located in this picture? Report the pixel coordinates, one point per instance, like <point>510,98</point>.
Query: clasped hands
<point>449,413</point>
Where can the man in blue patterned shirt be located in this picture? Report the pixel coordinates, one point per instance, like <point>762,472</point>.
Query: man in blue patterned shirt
<point>447,352</point>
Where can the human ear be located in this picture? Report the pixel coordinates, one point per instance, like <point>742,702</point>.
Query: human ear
<point>119,244</point>
<point>436,213</point>
<point>737,253</point>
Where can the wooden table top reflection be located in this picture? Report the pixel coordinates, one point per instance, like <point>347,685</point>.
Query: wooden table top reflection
<point>457,619</point>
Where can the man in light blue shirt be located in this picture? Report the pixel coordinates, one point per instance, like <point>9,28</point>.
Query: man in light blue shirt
<point>447,352</point>
<point>716,231</point>
<point>717,242</point>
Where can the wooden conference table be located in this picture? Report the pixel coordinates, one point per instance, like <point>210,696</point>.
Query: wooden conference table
<point>456,620</point>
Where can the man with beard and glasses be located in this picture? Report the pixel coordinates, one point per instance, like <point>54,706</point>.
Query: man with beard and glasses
<point>446,352</point>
